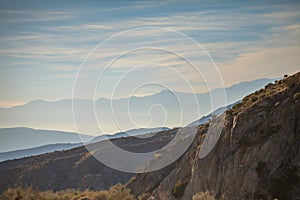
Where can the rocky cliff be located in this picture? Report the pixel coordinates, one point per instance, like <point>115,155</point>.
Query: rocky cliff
<point>256,157</point>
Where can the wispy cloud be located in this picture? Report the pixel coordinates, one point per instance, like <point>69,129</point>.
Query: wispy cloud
<point>238,38</point>
<point>9,104</point>
<point>34,16</point>
<point>269,62</point>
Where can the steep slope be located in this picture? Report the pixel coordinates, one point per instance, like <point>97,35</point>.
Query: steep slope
<point>256,157</point>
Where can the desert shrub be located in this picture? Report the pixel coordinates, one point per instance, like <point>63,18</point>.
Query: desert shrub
<point>203,196</point>
<point>269,85</point>
<point>116,192</point>
<point>290,82</point>
<point>178,189</point>
<point>269,92</point>
<point>20,193</point>
<point>254,98</point>
<point>101,195</point>
<point>261,96</point>
<point>297,96</point>
<point>237,106</point>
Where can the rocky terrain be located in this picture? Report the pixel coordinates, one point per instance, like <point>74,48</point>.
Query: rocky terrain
<point>256,157</point>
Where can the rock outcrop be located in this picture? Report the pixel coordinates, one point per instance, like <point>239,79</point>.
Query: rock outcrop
<point>256,157</point>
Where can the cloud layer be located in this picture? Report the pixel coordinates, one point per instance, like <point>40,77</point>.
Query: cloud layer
<point>42,45</point>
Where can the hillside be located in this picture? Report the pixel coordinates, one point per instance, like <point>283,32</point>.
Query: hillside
<point>256,157</point>
<point>75,168</point>
<point>34,136</point>
<point>10,155</point>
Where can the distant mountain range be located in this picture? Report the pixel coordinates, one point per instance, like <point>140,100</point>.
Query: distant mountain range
<point>58,137</point>
<point>133,132</point>
<point>54,140</point>
<point>179,109</point>
<point>215,113</point>
<point>23,138</point>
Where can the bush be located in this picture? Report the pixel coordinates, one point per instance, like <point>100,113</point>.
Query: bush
<point>254,99</point>
<point>203,196</point>
<point>116,192</point>
<point>20,193</point>
<point>290,82</point>
<point>178,189</point>
<point>297,96</point>
<point>237,106</point>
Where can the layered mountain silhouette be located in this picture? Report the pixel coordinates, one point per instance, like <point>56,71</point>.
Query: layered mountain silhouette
<point>22,138</point>
<point>125,114</point>
<point>256,156</point>
<point>215,113</point>
<point>57,139</point>
<point>51,141</point>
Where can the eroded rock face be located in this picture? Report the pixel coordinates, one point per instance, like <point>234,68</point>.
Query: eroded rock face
<point>256,157</point>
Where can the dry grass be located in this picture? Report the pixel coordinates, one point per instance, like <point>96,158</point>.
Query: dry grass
<point>269,91</point>
<point>203,196</point>
<point>116,192</point>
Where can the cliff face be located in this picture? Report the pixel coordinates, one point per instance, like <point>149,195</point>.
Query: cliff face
<point>256,157</point>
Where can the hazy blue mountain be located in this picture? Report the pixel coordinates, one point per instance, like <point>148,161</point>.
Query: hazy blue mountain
<point>133,132</point>
<point>57,137</point>
<point>163,109</point>
<point>23,138</point>
<point>37,151</point>
<point>217,112</point>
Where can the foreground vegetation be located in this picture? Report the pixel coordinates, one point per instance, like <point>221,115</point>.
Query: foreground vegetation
<point>116,192</point>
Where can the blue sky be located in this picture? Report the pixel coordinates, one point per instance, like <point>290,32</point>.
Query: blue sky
<point>43,43</point>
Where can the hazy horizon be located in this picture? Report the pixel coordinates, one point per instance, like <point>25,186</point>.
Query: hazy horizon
<point>119,50</point>
<point>42,44</point>
<point>144,95</point>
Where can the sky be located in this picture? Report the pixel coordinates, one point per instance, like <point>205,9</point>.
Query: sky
<point>43,45</point>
